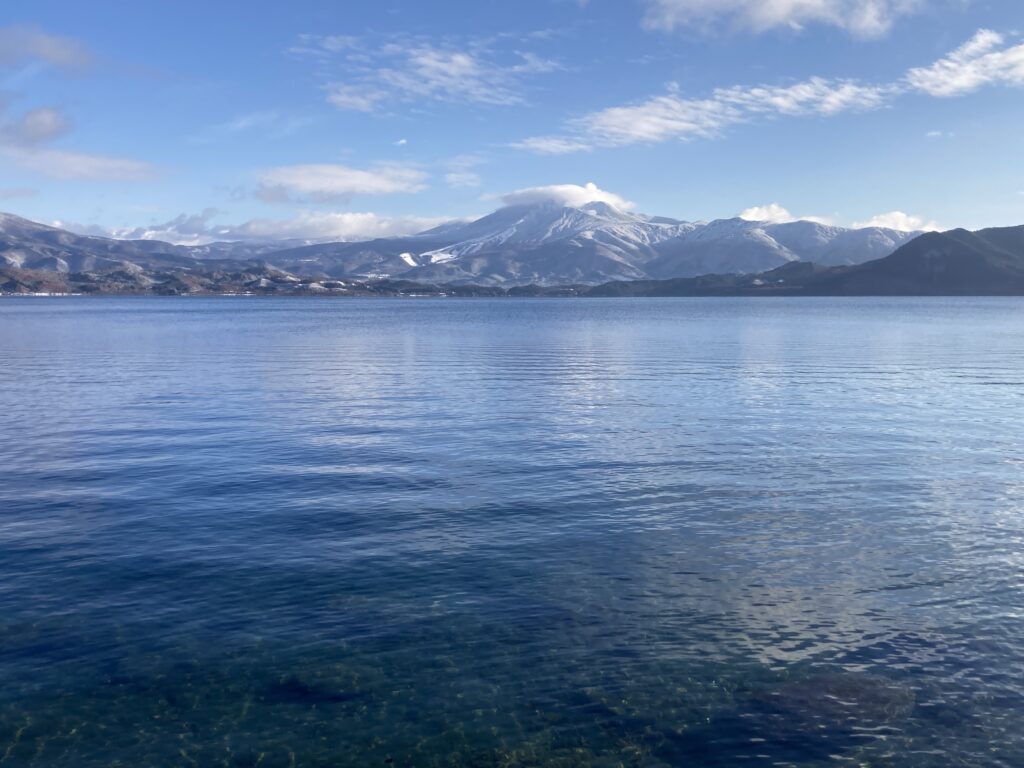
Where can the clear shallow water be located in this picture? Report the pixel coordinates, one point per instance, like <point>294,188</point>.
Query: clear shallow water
<point>507,533</point>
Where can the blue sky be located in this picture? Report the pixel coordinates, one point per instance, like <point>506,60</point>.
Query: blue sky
<point>188,120</point>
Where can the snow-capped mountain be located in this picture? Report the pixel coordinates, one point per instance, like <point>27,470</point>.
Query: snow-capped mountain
<point>550,243</point>
<point>737,245</point>
<point>28,244</point>
<point>546,242</point>
<point>526,226</point>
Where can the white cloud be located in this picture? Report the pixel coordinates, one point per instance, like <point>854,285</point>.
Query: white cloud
<point>461,173</point>
<point>10,193</point>
<point>981,61</point>
<point>816,96</point>
<point>552,145</point>
<point>449,75</point>
<point>337,43</point>
<point>401,142</point>
<point>900,221</point>
<point>355,98</point>
<point>273,124</point>
<point>377,72</point>
<point>463,179</point>
<point>773,213</point>
<point>82,166</point>
<point>658,119</point>
<point>861,18</point>
<point>335,226</point>
<point>199,229</point>
<point>673,116</point>
<point>37,126</point>
<point>21,44</point>
<point>326,182</point>
<point>184,229</point>
<point>566,194</point>
<point>27,139</point>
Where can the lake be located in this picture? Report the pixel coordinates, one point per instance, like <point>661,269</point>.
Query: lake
<point>300,532</point>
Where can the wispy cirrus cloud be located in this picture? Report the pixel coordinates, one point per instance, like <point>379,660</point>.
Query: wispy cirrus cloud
<point>861,18</point>
<point>80,166</point>
<point>12,193</point>
<point>462,171</point>
<point>556,145</point>
<point>272,124</point>
<point>22,44</point>
<point>370,75</point>
<point>355,98</point>
<point>673,116</point>
<point>985,60</point>
<point>327,182</point>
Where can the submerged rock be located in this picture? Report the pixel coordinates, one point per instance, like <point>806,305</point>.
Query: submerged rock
<point>291,690</point>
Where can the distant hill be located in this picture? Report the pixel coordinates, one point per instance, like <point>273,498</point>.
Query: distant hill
<point>958,262</point>
<point>30,245</point>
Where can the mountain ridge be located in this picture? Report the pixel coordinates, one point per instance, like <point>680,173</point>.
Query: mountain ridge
<point>546,243</point>
<point>989,262</point>
<point>954,263</point>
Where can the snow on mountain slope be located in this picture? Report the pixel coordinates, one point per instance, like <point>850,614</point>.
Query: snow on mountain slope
<point>836,246</point>
<point>551,222</point>
<point>548,242</point>
<point>741,246</point>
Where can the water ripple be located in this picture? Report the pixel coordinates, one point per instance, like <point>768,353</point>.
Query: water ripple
<point>511,533</point>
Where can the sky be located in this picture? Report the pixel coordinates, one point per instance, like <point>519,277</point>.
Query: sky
<point>191,121</point>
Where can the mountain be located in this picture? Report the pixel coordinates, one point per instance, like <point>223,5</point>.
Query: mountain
<point>384,257</point>
<point>549,243</point>
<point>547,223</point>
<point>30,245</point>
<point>27,245</point>
<point>989,262</point>
<point>836,246</point>
<point>738,245</point>
<point>955,263</point>
<point>544,243</point>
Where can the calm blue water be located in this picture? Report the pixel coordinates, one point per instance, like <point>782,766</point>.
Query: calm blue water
<point>257,532</point>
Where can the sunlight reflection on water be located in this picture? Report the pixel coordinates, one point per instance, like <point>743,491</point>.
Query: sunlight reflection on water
<point>511,532</point>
